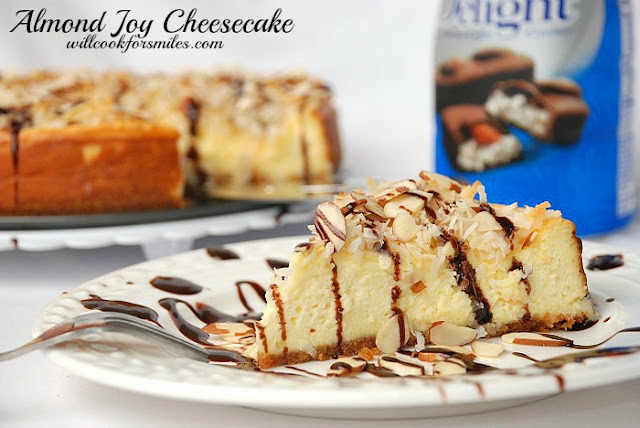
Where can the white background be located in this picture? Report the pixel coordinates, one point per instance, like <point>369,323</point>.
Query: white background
<point>376,55</point>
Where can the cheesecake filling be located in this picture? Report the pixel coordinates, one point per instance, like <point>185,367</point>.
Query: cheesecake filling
<point>422,252</point>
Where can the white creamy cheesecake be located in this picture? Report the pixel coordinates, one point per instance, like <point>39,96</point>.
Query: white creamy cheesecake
<point>382,268</point>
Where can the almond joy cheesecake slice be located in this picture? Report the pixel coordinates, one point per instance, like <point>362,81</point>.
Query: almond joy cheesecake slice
<point>382,268</point>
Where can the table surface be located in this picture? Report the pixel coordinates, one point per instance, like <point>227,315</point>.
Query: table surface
<point>36,392</point>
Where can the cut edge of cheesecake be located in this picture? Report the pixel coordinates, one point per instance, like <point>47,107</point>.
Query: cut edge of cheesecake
<point>416,253</point>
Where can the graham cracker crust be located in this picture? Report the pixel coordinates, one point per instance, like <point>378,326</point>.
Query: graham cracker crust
<point>354,347</point>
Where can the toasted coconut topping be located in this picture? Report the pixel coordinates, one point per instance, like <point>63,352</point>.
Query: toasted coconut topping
<point>446,214</point>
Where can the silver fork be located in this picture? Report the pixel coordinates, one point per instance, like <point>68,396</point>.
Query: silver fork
<point>75,327</point>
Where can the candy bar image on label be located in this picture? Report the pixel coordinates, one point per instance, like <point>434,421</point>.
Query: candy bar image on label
<point>552,111</point>
<point>470,81</point>
<point>475,141</point>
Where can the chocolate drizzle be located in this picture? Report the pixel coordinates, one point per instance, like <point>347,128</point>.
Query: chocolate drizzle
<point>217,354</point>
<point>222,254</point>
<point>507,225</point>
<point>320,221</point>
<point>430,212</point>
<point>223,356</point>
<point>395,295</point>
<point>192,109</point>
<point>517,265</point>
<point>257,288</point>
<point>396,264</point>
<point>395,360</point>
<point>19,118</point>
<point>185,327</point>
<point>578,357</point>
<point>401,327</point>
<point>560,381</point>
<point>307,372</point>
<point>466,279</point>
<point>303,246</point>
<point>441,203</point>
<point>283,322</point>
<point>208,314</point>
<point>306,167</point>
<point>262,336</point>
<point>175,285</point>
<point>605,262</point>
<point>570,344</point>
<point>139,311</point>
<point>277,264</point>
<point>396,290</point>
<point>335,288</point>
<point>282,211</point>
<point>379,371</point>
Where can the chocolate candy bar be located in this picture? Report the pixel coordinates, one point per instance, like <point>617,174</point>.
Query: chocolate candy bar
<point>552,111</point>
<point>459,81</point>
<point>474,141</point>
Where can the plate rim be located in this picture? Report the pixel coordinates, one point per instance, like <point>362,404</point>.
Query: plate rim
<point>335,397</point>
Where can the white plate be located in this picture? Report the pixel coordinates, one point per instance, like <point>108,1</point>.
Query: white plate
<point>118,361</point>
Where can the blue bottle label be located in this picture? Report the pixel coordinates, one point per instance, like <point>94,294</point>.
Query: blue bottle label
<point>534,99</point>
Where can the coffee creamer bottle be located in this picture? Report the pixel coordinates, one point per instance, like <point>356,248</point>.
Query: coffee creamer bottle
<point>534,99</point>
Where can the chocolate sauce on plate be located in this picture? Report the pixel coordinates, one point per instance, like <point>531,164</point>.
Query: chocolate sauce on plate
<point>257,288</point>
<point>139,311</point>
<point>175,285</point>
<point>222,254</point>
<point>605,262</point>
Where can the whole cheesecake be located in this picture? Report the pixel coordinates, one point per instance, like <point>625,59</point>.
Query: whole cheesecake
<point>87,142</point>
<point>385,267</point>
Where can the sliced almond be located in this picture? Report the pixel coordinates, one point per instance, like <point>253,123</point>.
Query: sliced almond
<point>358,194</point>
<point>393,190</point>
<point>447,350</point>
<point>400,367</point>
<point>403,203</point>
<point>228,328</point>
<point>448,367</point>
<point>404,227</point>
<point>372,210</point>
<point>450,334</point>
<point>330,224</point>
<point>426,196</point>
<point>430,357</point>
<point>251,352</point>
<point>393,334</point>
<point>487,349</point>
<point>532,339</point>
<point>346,366</point>
<point>247,340</point>
<point>351,206</point>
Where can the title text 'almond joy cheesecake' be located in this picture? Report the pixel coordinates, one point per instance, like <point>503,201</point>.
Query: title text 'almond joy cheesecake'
<point>82,141</point>
<point>382,268</point>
